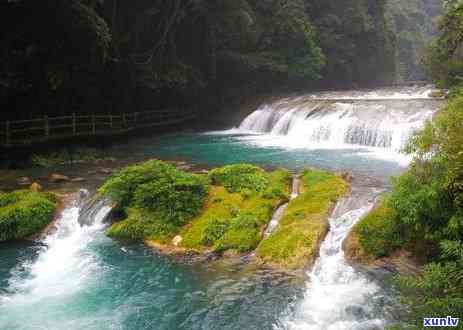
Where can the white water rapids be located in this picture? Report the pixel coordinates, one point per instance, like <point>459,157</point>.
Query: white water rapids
<point>63,267</point>
<point>338,297</point>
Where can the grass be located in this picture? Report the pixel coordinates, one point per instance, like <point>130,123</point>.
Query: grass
<point>376,235</point>
<point>24,213</point>
<point>304,224</point>
<point>238,218</point>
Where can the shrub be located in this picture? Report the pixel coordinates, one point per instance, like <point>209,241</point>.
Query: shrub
<point>178,199</point>
<point>215,228</point>
<point>143,224</point>
<point>156,197</point>
<point>24,213</point>
<point>379,233</point>
<point>240,178</point>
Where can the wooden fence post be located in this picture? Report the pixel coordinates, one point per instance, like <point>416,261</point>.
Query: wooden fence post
<point>111,121</point>
<point>7,132</point>
<point>124,123</point>
<point>93,124</point>
<point>74,124</point>
<point>46,126</point>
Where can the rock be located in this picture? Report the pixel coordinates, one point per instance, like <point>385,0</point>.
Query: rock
<point>36,187</point>
<point>105,170</point>
<point>24,181</point>
<point>177,240</point>
<point>346,175</point>
<point>55,178</point>
<point>78,180</point>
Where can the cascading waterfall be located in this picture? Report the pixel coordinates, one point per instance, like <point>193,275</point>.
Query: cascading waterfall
<point>62,268</point>
<point>345,119</point>
<point>338,297</point>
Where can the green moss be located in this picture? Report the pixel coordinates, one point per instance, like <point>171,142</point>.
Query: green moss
<point>143,224</point>
<point>232,220</point>
<point>304,223</point>
<point>378,232</point>
<point>24,213</point>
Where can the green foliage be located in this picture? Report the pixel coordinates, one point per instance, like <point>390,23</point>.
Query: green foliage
<point>444,58</point>
<point>305,221</point>
<point>214,229</point>
<point>143,224</point>
<point>234,220</point>
<point>178,198</point>
<point>24,213</point>
<point>240,177</point>
<point>379,232</point>
<point>436,292</point>
<point>156,197</point>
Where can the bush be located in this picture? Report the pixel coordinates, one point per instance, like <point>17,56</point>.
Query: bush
<point>379,233</point>
<point>240,178</point>
<point>214,229</point>
<point>156,197</point>
<point>177,199</point>
<point>143,224</point>
<point>24,213</point>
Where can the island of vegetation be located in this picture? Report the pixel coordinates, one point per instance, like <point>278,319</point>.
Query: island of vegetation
<point>224,211</point>
<point>24,213</point>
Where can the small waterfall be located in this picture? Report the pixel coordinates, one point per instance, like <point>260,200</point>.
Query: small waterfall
<point>64,264</point>
<point>337,296</point>
<point>375,119</point>
<point>273,224</point>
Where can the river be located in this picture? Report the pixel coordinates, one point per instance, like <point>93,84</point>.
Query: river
<point>77,278</point>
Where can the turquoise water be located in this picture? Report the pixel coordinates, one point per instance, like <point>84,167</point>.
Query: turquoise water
<point>221,149</point>
<point>80,279</point>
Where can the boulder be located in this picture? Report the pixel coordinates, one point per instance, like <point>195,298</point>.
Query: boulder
<point>55,178</point>
<point>36,187</point>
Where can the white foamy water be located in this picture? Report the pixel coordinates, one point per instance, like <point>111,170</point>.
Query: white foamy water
<point>62,268</point>
<point>338,297</point>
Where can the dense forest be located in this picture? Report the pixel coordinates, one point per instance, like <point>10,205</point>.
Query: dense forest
<point>108,56</point>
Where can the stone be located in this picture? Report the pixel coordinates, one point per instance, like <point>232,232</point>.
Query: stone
<point>177,240</point>
<point>105,170</point>
<point>78,180</point>
<point>55,178</point>
<point>24,181</point>
<point>36,187</point>
<point>348,176</point>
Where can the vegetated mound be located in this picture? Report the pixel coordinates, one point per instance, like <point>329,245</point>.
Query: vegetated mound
<point>224,210</point>
<point>304,224</point>
<point>24,213</point>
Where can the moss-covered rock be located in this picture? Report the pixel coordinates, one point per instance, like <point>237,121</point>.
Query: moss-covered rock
<point>375,236</point>
<point>24,213</point>
<point>304,224</point>
<point>236,214</point>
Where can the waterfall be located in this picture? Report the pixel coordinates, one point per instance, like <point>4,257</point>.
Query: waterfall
<point>62,267</point>
<point>337,296</point>
<point>373,119</point>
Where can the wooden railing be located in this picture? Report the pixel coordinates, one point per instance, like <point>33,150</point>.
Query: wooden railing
<point>21,132</point>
